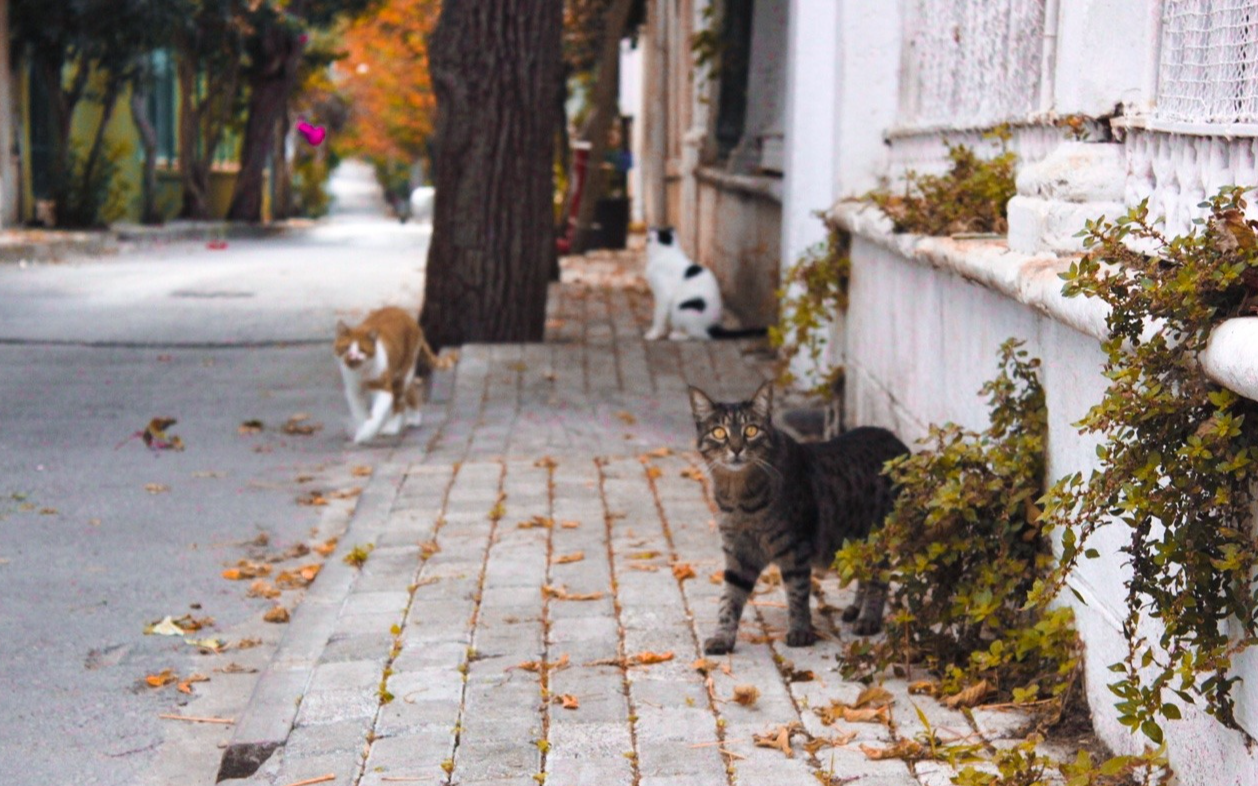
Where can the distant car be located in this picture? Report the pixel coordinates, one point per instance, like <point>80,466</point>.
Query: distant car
<point>421,203</point>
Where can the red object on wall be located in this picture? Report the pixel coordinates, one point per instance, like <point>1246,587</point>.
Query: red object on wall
<point>580,165</point>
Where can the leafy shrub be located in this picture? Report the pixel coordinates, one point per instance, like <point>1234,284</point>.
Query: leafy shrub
<point>1177,464</point>
<point>310,177</point>
<point>95,199</point>
<point>816,290</point>
<point>972,197</point>
<point>962,549</point>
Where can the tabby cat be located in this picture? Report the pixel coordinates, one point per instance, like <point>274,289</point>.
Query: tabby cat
<point>378,361</point>
<point>792,505</point>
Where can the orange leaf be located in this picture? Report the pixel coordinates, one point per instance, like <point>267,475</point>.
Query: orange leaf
<point>564,559</point>
<point>683,571</point>
<point>161,679</point>
<point>568,701</point>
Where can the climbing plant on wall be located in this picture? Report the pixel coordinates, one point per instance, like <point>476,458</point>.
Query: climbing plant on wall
<point>1176,461</point>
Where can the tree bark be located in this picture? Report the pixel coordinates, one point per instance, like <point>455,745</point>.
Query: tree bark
<point>494,66</point>
<point>148,140</point>
<point>271,83</point>
<point>599,123</point>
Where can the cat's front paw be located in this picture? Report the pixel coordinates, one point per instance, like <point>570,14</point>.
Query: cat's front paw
<point>867,627</point>
<point>718,645</point>
<point>801,638</point>
<point>365,434</point>
<point>653,335</point>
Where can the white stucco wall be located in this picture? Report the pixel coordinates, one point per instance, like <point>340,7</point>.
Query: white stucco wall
<point>923,330</point>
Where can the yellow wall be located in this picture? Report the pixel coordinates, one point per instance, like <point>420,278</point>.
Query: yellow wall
<point>121,137</point>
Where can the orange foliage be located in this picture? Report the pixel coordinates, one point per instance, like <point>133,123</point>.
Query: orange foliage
<point>385,78</point>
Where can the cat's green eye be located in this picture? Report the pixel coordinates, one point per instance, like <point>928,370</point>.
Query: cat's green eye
<point>751,431</point>
<point>719,433</point>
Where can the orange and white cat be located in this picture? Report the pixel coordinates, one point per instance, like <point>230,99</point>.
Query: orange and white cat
<point>378,361</point>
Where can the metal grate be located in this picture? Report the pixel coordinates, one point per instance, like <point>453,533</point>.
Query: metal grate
<point>971,63</point>
<point>1208,69</point>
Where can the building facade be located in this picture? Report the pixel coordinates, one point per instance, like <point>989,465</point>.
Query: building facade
<point>1109,102</point>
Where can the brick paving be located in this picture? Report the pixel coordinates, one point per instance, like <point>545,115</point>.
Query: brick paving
<point>553,533</point>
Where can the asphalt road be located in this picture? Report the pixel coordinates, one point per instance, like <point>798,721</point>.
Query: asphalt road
<point>90,351</point>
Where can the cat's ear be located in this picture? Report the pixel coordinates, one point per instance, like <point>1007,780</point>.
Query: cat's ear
<point>700,404</point>
<point>762,402</point>
<point>341,328</point>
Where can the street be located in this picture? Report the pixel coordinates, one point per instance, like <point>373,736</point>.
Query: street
<point>90,351</point>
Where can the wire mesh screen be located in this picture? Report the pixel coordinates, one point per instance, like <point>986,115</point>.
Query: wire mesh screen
<point>1209,61</point>
<point>971,63</point>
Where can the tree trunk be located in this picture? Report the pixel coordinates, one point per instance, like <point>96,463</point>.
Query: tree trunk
<point>270,85</point>
<point>494,66</point>
<point>148,140</point>
<point>194,176</point>
<point>599,123</point>
<point>283,190</point>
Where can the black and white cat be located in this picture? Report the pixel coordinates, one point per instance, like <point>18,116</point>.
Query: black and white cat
<point>687,297</point>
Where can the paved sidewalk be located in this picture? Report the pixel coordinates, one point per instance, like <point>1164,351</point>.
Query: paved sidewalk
<point>544,570</point>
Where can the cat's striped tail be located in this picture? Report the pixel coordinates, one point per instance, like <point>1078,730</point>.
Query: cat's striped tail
<point>429,361</point>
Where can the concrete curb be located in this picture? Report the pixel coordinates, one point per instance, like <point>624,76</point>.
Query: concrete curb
<point>52,245</point>
<point>267,720</point>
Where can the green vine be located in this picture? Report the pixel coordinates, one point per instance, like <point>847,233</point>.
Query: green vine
<point>962,549</point>
<point>815,291</point>
<point>1176,464</point>
<point>708,45</point>
<point>971,197</point>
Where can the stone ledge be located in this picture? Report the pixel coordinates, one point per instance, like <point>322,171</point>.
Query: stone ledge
<point>1033,279</point>
<point>761,186</point>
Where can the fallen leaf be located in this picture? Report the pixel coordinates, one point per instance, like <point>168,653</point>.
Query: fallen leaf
<point>693,473</point>
<point>246,569</point>
<point>154,435</point>
<point>628,418</point>
<point>247,644</point>
<point>276,614</point>
<point>161,679</point>
<point>536,666</point>
<point>970,696</point>
<point>746,695</point>
<point>570,524</point>
<point>360,471</point>
<point>838,740</point>
<point>346,493</point>
<point>568,701</point>
<point>561,593</point>
<point>703,665</point>
<point>546,462</point>
<point>428,548</point>
<point>645,555</point>
<point>185,686</point>
<point>249,427</point>
<point>908,750</point>
<point>717,577</point>
<point>166,627</point>
<point>654,472</point>
<point>873,696</point>
<point>928,687</point>
<point>47,511</point>
<point>866,715</point>
<point>778,738</point>
<point>800,675</point>
<point>208,646</point>
<point>154,488</point>
<point>644,568</point>
<point>537,522</point>
<point>297,425</point>
<point>177,626</point>
<point>649,658</point>
<point>236,668</point>
<point>683,571</point>
<point>326,548</point>
<point>313,499</point>
<point>564,559</point>
<point>659,452</point>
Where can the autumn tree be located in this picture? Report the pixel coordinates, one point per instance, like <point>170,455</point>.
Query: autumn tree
<point>495,68</point>
<point>280,31</point>
<point>384,78</point>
